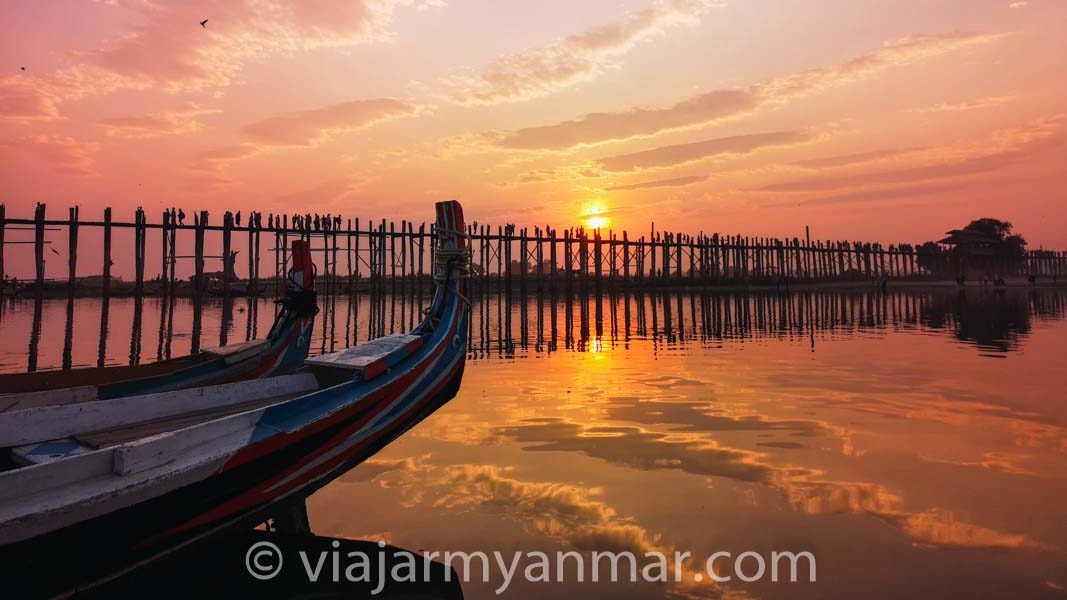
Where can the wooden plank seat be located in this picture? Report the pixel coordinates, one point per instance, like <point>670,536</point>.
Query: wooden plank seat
<point>367,360</point>
<point>105,422</point>
<point>235,353</point>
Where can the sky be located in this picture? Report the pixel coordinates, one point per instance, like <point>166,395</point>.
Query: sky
<point>888,121</point>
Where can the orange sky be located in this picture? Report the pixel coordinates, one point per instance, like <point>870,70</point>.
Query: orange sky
<point>888,121</point>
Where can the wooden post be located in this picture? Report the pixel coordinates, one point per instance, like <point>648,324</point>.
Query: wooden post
<point>38,246</point>
<point>72,250</point>
<point>807,253</point>
<point>229,264</point>
<point>523,250</point>
<point>392,258</point>
<point>258,247</point>
<point>355,253</point>
<point>139,249</point>
<point>508,233</point>
<point>164,250</point>
<point>411,257</point>
<point>598,256</point>
<point>107,253</point>
<point>568,266</point>
<point>250,287</point>
<point>198,251</point>
<point>540,260</point>
<point>552,256</point>
<point>613,265</point>
<point>652,253</point>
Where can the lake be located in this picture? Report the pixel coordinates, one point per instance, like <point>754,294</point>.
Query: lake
<point>913,442</point>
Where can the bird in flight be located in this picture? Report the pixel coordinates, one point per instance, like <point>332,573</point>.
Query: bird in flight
<point>203,23</point>
<point>23,68</point>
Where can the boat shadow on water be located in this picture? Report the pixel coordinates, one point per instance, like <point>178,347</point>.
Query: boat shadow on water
<point>265,565</point>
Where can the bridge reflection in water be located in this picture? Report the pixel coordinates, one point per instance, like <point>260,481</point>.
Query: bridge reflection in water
<point>95,331</point>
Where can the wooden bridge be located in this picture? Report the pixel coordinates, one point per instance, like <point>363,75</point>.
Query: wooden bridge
<point>377,255</point>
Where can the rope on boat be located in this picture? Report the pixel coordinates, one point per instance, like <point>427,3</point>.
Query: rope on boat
<point>447,259</point>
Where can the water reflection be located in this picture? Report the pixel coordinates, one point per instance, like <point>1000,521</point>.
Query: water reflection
<point>696,422</point>
<point>996,323</point>
<point>101,351</point>
<point>887,451</point>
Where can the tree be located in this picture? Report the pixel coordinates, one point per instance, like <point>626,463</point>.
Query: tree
<point>1008,245</point>
<point>930,256</point>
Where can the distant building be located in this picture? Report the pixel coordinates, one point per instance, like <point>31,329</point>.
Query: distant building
<point>971,243</point>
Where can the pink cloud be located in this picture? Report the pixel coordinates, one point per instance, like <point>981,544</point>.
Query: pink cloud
<point>841,160</point>
<point>168,50</point>
<point>977,103</point>
<point>895,193</point>
<point>600,127</point>
<point>717,105</point>
<point>311,126</point>
<point>334,192</point>
<point>1007,148</point>
<point>170,122</point>
<point>674,182</point>
<point>540,71</point>
<point>63,154</point>
<point>24,98</point>
<point>209,168</point>
<point>677,154</point>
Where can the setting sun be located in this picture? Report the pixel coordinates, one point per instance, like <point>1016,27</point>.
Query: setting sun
<point>595,217</point>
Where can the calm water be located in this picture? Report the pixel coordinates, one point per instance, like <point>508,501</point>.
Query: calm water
<point>913,442</point>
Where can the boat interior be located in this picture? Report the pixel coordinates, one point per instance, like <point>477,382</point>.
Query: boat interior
<point>40,434</point>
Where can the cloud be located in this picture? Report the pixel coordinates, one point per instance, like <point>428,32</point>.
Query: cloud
<point>934,527</point>
<point>596,128</point>
<point>301,128</point>
<point>687,450</point>
<point>576,515</point>
<point>1020,4</point>
<point>891,193</point>
<point>327,194</point>
<point>675,182</point>
<point>63,154</point>
<point>209,168</point>
<point>571,173</point>
<point>985,102</point>
<point>677,154</point>
<point>540,71</point>
<point>25,98</point>
<point>167,50</point>
<point>171,122</point>
<point>1006,148</point>
<point>897,52</point>
<point>312,126</point>
<point>841,160</point>
<point>940,528</point>
<point>641,449</point>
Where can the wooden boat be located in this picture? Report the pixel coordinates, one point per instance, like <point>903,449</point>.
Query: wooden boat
<point>283,350</point>
<point>99,488</point>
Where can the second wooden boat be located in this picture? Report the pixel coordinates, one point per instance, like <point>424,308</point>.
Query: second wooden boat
<point>284,349</point>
